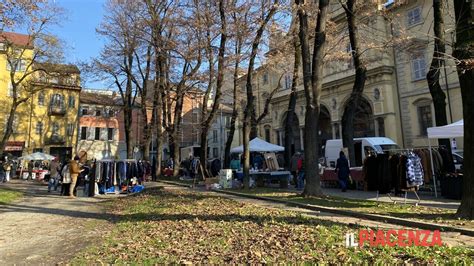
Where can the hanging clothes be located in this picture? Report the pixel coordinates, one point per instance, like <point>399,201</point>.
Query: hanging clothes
<point>414,170</point>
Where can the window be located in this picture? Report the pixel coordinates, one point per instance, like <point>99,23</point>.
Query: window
<point>20,65</point>
<point>2,47</point>
<point>414,16</point>
<point>109,113</point>
<point>97,133</point>
<point>265,78</point>
<point>424,118</point>
<point>72,102</point>
<point>83,133</point>
<point>418,66</point>
<point>98,112</point>
<point>110,134</point>
<point>84,111</point>
<point>103,134</point>
<point>39,128</point>
<point>57,101</point>
<point>215,152</point>
<point>54,80</point>
<point>214,136</point>
<point>267,134</point>
<point>287,82</point>
<point>70,129</point>
<point>55,129</point>
<point>41,99</point>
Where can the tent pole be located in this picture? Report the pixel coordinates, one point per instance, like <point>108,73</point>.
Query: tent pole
<point>432,168</point>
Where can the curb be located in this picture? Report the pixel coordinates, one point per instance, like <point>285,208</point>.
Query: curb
<point>367,216</point>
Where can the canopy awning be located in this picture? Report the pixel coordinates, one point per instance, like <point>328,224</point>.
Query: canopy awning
<point>453,130</point>
<point>258,145</point>
<point>37,156</point>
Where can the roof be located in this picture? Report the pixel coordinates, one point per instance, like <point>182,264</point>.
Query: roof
<point>16,38</point>
<point>59,68</point>
<point>96,98</point>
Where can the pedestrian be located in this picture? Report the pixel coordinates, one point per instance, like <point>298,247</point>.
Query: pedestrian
<point>53,175</point>
<point>74,170</point>
<point>342,170</point>
<point>65,178</point>
<point>2,173</point>
<point>294,167</point>
<point>300,171</point>
<point>8,168</point>
<point>31,165</point>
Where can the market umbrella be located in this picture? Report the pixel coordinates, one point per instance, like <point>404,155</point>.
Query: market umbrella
<point>37,156</point>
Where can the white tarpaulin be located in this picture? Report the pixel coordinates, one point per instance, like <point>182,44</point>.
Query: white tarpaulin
<point>258,145</point>
<point>453,130</point>
<point>37,156</point>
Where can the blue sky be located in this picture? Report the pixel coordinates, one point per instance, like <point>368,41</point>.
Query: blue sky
<point>78,32</point>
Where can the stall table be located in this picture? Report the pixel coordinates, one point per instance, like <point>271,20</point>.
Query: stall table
<point>261,178</point>
<point>330,176</point>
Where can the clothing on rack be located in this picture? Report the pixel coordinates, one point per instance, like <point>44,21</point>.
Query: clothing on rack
<point>415,173</point>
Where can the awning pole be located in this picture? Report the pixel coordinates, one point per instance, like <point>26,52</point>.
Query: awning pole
<point>432,168</point>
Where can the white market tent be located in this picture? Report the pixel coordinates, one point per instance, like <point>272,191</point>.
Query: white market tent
<point>258,145</point>
<point>453,130</point>
<point>37,156</point>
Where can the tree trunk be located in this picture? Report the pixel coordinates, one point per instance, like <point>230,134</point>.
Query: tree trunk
<point>235,111</point>
<point>438,95</point>
<point>289,134</point>
<point>127,117</point>
<point>312,82</point>
<point>464,51</point>
<point>250,128</point>
<point>359,82</point>
<point>8,127</point>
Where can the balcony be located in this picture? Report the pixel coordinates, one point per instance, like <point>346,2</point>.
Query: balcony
<point>57,110</point>
<point>55,140</point>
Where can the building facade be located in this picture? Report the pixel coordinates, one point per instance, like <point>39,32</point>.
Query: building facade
<point>396,100</point>
<point>46,120</point>
<point>98,125</point>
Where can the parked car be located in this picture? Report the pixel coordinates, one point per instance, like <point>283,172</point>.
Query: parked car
<point>362,146</point>
<point>458,158</point>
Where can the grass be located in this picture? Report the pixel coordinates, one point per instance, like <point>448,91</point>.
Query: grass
<point>438,215</point>
<point>7,195</point>
<point>180,226</point>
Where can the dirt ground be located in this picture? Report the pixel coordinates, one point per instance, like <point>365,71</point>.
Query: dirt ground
<point>45,228</point>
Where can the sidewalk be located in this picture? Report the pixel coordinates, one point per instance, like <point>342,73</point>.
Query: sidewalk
<point>426,199</point>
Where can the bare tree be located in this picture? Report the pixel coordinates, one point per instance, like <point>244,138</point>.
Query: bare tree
<point>312,83</point>
<point>359,82</point>
<point>208,117</point>
<point>438,95</point>
<point>249,111</point>
<point>464,53</point>
<point>23,53</point>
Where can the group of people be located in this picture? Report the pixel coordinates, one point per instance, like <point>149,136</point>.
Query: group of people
<point>6,168</point>
<point>68,174</point>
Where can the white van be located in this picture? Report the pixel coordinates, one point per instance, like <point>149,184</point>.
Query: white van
<point>362,146</point>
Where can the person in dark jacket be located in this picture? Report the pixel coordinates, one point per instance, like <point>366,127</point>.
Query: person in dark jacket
<point>342,170</point>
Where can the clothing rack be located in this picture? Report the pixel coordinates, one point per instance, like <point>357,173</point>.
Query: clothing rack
<point>432,166</point>
<point>406,191</point>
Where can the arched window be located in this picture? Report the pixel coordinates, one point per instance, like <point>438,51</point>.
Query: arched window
<point>41,98</point>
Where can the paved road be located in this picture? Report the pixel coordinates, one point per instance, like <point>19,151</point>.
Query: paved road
<point>45,228</point>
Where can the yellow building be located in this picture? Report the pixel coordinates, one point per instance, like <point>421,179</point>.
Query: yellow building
<point>396,101</point>
<point>47,121</point>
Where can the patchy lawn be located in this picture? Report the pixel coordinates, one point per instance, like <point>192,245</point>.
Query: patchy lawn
<point>437,215</point>
<point>8,195</point>
<point>179,226</point>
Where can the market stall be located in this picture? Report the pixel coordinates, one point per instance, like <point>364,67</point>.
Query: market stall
<point>37,173</point>
<point>270,171</point>
<point>453,130</point>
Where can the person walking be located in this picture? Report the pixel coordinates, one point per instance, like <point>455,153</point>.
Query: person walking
<point>300,172</point>
<point>53,175</point>
<point>74,171</point>
<point>31,164</point>
<point>342,170</point>
<point>294,167</point>
<point>65,177</point>
<point>7,166</point>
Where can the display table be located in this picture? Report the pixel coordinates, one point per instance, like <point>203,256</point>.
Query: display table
<point>330,176</point>
<point>36,174</point>
<point>262,177</point>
